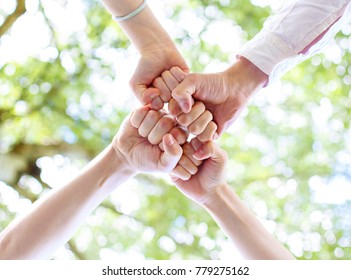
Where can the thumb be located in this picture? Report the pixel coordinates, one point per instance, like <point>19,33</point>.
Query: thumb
<point>146,95</point>
<point>210,150</point>
<point>172,154</point>
<point>184,91</point>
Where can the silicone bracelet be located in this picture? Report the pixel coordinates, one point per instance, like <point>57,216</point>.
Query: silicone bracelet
<point>132,14</point>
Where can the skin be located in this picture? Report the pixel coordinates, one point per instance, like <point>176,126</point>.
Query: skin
<point>145,131</point>
<point>199,175</point>
<point>56,216</point>
<point>209,189</point>
<point>154,83</point>
<point>224,94</point>
<point>158,51</point>
<point>161,75</point>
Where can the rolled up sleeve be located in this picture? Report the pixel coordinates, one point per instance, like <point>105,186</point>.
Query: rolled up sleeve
<point>298,31</point>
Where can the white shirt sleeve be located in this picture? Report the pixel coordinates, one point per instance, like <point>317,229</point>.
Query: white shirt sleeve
<point>283,41</point>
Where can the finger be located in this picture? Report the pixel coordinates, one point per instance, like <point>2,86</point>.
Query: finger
<point>187,164</point>
<point>184,91</point>
<point>180,173</point>
<point>156,104</point>
<point>174,108</point>
<point>171,155</point>
<point>180,135</point>
<point>143,93</point>
<point>170,81</point>
<point>186,119</point>
<point>209,133</point>
<point>205,151</point>
<point>188,150</point>
<point>178,73</point>
<point>138,116</point>
<point>162,127</point>
<point>199,125</point>
<point>165,93</point>
<point>149,122</point>
<point>196,144</point>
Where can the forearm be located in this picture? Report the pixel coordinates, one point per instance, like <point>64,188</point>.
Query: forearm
<point>54,218</point>
<point>144,30</point>
<point>242,227</point>
<point>245,77</point>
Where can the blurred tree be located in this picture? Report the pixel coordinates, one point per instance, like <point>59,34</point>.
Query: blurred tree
<point>291,145</point>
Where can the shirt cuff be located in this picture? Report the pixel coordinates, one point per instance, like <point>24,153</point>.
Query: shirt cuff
<point>266,51</point>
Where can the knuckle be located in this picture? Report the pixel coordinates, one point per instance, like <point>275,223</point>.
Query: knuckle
<point>183,120</point>
<point>181,135</point>
<point>208,115</point>
<point>204,137</point>
<point>173,107</point>
<point>213,126</point>
<point>174,68</point>
<point>200,106</point>
<point>152,140</point>
<point>157,81</point>
<point>154,115</point>
<point>165,96</point>
<point>165,123</point>
<point>182,160</point>
<point>195,129</point>
<point>165,74</point>
<point>193,170</point>
<point>187,148</point>
<point>186,176</point>
<point>141,132</point>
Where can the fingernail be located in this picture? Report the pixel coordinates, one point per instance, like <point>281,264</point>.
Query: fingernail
<point>215,136</point>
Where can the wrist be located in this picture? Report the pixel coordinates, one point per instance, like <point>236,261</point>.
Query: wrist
<point>145,31</point>
<point>158,47</point>
<point>216,197</point>
<point>121,163</point>
<point>121,7</point>
<point>245,77</point>
<point>107,171</point>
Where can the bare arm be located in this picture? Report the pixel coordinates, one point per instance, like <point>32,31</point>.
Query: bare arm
<point>209,189</point>
<point>157,49</point>
<point>55,217</point>
<point>243,228</point>
<point>144,30</point>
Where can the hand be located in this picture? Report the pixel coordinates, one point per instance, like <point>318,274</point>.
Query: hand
<point>157,49</point>
<point>210,174</point>
<point>224,94</point>
<point>198,120</point>
<point>138,148</point>
<point>151,65</point>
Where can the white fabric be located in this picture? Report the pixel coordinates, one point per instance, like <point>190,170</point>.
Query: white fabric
<point>277,47</point>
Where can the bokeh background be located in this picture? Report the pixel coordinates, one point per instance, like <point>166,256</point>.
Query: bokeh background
<point>64,72</point>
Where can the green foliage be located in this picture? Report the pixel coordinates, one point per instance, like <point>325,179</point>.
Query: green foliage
<point>49,108</point>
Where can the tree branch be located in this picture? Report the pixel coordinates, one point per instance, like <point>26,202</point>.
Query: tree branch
<point>49,24</point>
<point>10,20</point>
<point>79,255</point>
